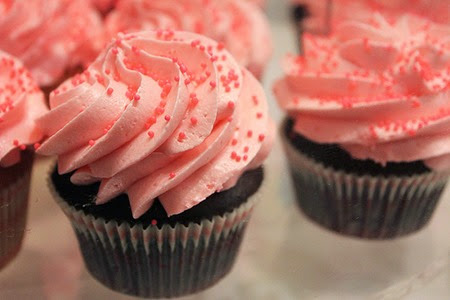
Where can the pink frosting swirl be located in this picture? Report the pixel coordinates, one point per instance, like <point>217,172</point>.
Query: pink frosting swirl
<point>21,103</point>
<point>379,90</point>
<point>333,12</point>
<point>240,25</point>
<point>50,36</point>
<point>159,114</point>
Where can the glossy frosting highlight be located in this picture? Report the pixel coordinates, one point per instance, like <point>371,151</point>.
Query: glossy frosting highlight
<point>380,90</point>
<point>50,36</point>
<point>241,26</point>
<point>159,114</point>
<point>21,103</point>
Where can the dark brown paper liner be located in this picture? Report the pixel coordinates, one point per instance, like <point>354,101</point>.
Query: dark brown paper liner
<point>14,190</point>
<point>363,206</point>
<point>157,262</point>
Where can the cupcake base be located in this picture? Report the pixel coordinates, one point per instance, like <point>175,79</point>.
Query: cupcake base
<point>157,256</point>
<point>14,190</point>
<point>360,198</point>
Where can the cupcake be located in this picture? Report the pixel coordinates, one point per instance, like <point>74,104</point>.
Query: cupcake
<point>53,38</point>
<point>240,26</point>
<point>21,103</point>
<point>159,145</point>
<point>368,127</point>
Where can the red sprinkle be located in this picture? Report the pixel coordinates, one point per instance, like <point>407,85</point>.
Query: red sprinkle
<point>194,121</point>
<point>167,118</point>
<point>154,222</point>
<point>91,142</point>
<point>172,175</point>
<point>151,134</point>
<point>261,137</point>
<point>109,91</point>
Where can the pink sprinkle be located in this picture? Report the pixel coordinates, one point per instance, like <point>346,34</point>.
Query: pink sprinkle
<point>23,147</point>
<point>16,143</point>
<point>137,97</point>
<point>91,142</point>
<point>151,134</point>
<point>233,155</point>
<point>212,84</point>
<point>234,142</point>
<point>167,118</point>
<point>249,133</point>
<point>246,149</point>
<point>154,222</point>
<point>36,146</point>
<point>109,91</point>
<point>172,175</point>
<point>259,115</point>
<point>231,105</point>
<point>181,136</point>
<point>114,51</point>
<point>194,121</point>
<point>261,137</point>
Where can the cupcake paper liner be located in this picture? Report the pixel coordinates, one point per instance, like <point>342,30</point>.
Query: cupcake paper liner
<point>14,190</point>
<point>158,261</point>
<point>363,206</point>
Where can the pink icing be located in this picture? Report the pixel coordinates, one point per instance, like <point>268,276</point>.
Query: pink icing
<point>104,6</point>
<point>159,114</point>
<point>380,90</point>
<point>336,11</point>
<point>21,103</point>
<point>50,36</point>
<point>241,26</point>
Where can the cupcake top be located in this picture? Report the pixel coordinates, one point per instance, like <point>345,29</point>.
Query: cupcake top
<point>241,26</point>
<point>21,103</point>
<point>159,114</point>
<point>50,36</point>
<point>379,90</point>
<point>340,10</point>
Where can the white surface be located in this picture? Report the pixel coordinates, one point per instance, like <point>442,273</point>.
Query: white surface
<point>284,256</point>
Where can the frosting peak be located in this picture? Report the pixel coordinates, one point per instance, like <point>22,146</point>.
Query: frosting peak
<point>241,26</point>
<point>21,103</point>
<point>159,114</point>
<point>383,87</point>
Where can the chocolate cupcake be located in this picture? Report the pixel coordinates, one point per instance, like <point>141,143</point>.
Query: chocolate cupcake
<point>368,126</point>
<point>159,149</point>
<point>239,26</point>
<point>21,102</point>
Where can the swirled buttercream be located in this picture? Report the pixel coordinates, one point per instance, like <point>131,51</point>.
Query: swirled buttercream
<point>380,90</point>
<point>241,26</point>
<point>159,114</point>
<point>21,103</point>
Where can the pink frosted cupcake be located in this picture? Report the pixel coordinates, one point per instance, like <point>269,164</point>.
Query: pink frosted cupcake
<point>53,38</point>
<point>159,147</point>
<point>368,134</point>
<point>21,102</point>
<point>240,26</point>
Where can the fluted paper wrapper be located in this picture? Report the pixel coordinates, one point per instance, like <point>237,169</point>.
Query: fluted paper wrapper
<point>14,190</point>
<point>363,206</point>
<point>157,262</point>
